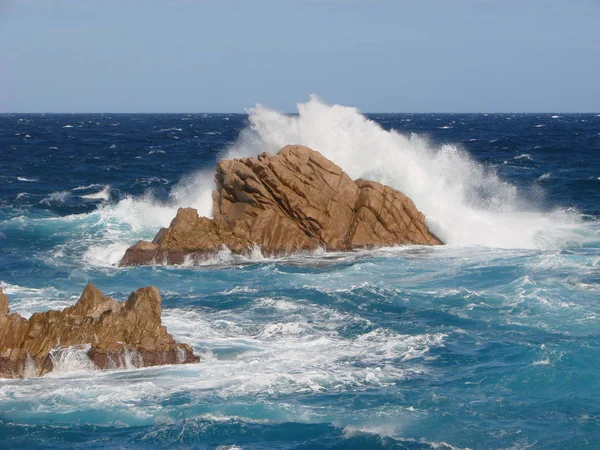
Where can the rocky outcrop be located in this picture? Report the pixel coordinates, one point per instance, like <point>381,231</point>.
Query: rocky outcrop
<point>114,335</point>
<point>296,200</point>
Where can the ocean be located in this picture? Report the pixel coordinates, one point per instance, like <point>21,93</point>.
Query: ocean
<point>489,342</point>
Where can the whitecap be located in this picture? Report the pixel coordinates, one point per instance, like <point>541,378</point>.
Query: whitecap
<point>88,186</point>
<point>526,156</point>
<point>102,195</point>
<point>55,197</point>
<point>541,362</point>
<point>392,428</point>
<point>239,289</point>
<point>31,180</point>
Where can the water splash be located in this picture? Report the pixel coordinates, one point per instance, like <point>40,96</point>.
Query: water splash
<point>466,203</point>
<point>71,360</point>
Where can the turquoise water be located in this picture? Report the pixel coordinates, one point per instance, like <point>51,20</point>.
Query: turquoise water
<point>491,341</point>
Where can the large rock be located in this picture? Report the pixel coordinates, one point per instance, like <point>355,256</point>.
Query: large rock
<point>116,335</point>
<point>296,200</point>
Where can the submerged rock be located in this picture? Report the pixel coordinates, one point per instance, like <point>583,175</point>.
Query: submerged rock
<point>118,335</point>
<point>296,200</point>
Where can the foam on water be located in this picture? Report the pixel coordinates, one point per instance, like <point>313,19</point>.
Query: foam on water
<point>102,195</point>
<point>55,197</point>
<point>300,348</point>
<point>526,156</point>
<point>282,346</point>
<point>465,202</point>
<point>383,344</point>
<point>410,343</point>
<point>27,300</point>
<point>89,186</point>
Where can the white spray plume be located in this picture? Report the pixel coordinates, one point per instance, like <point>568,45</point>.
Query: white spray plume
<point>465,203</point>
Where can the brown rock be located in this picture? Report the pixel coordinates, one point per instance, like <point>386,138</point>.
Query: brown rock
<point>120,335</point>
<point>296,200</point>
<point>384,216</point>
<point>3,304</point>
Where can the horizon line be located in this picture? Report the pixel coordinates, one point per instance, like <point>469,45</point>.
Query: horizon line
<point>292,113</point>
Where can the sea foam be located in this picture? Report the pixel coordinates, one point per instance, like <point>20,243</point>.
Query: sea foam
<point>465,202</point>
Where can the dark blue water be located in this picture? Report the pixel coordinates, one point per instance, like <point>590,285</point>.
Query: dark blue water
<point>489,342</point>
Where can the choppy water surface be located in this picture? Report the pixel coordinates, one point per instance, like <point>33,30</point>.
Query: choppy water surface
<point>491,341</point>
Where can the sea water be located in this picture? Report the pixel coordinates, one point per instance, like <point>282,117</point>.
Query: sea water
<point>491,341</point>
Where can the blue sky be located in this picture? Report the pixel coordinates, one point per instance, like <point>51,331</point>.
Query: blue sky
<point>226,55</point>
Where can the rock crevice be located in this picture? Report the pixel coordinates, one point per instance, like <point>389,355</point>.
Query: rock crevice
<point>294,201</point>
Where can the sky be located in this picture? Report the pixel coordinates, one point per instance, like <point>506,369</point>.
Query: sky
<point>228,55</point>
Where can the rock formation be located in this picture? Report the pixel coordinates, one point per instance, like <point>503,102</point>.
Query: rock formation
<point>296,200</point>
<point>115,335</point>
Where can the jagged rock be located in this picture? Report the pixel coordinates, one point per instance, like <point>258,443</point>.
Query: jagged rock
<point>296,200</point>
<point>3,304</point>
<point>118,334</point>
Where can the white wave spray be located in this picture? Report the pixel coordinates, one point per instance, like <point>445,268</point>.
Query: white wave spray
<point>465,202</point>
